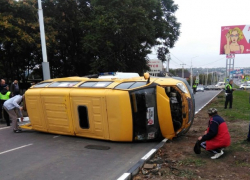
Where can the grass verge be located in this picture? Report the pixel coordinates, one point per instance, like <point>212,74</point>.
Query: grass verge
<point>241,106</point>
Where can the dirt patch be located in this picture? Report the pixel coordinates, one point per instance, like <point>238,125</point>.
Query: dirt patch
<point>177,160</point>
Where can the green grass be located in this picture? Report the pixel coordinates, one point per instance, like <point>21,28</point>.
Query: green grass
<point>191,161</point>
<point>241,106</point>
<point>242,163</point>
<point>238,147</point>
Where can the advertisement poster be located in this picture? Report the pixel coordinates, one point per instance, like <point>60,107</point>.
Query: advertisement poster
<point>150,116</point>
<point>236,73</point>
<point>235,39</point>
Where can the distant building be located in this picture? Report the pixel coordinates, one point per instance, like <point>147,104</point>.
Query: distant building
<point>155,67</point>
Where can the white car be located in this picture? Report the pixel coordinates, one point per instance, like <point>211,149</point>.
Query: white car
<point>220,85</point>
<point>245,86</point>
<point>200,88</point>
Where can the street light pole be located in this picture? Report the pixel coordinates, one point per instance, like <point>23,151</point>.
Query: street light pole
<point>182,69</point>
<point>45,64</point>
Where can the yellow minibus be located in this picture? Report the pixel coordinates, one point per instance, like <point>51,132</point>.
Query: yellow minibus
<point>114,108</point>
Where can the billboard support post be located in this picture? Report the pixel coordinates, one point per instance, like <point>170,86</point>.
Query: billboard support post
<point>229,64</point>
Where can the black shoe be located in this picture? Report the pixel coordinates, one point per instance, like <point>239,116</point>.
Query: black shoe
<point>248,139</point>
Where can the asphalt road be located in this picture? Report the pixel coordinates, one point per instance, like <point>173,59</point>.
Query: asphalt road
<point>202,98</point>
<point>34,155</point>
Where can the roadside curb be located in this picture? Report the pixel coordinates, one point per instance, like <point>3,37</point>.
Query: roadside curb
<point>135,169</point>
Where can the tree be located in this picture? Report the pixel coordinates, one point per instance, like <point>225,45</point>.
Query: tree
<point>121,33</point>
<point>65,50</point>
<point>171,31</point>
<point>18,29</point>
<point>84,37</point>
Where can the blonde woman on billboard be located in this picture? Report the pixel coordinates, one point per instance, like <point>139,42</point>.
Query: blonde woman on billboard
<point>233,36</point>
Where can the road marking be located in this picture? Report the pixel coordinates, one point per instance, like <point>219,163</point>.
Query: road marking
<point>207,102</point>
<point>148,154</point>
<point>4,128</point>
<point>15,149</point>
<point>164,140</point>
<point>56,136</point>
<point>124,176</point>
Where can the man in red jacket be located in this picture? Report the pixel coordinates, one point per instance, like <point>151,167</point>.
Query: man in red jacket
<point>216,137</point>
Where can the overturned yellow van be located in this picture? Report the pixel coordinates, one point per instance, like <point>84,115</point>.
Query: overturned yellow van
<point>111,108</point>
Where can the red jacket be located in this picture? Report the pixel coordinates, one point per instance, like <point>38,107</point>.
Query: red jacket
<point>217,134</point>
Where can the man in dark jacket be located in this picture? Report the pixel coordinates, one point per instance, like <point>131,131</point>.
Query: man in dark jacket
<point>2,86</point>
<point>229,94</point>
<point>216,137</point>
<point>4,96</point>
<point>14,88</point>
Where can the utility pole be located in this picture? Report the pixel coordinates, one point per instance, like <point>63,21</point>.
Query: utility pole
<point>207,77</point>
<point>182,69</point>
<point>45,64</point>
<point>168,59</point>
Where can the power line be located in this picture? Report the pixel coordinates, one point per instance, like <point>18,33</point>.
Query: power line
<point>213,61</point>
<point>176,57</point>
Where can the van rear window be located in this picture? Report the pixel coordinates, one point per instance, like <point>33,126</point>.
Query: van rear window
<point>83,117</point>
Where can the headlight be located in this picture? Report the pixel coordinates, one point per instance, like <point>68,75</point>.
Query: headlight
<point>182,87</point>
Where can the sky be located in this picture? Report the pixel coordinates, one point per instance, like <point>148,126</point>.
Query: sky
<point>199,41</point>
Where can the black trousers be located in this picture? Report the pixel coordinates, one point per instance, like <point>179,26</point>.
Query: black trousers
<point>229,99</point>
<point>194,90</point>
<point>1,107</point>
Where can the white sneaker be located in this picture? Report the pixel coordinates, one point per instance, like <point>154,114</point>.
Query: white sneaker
<point>216,156</point>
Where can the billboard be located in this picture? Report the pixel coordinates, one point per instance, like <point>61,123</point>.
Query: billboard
<point>236,73</point>
<point>235,39</point>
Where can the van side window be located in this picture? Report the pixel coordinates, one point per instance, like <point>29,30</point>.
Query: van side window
<point>125,85</point>
<point>42,84</point>
<point>96,84</point>
<point>130,85</point>
<point>83,117</point>
<point>64,84</point>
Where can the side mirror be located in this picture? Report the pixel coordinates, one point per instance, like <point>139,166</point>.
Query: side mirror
<point>147,77</point>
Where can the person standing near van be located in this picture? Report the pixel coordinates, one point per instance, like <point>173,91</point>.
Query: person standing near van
<point>15,88</point>
<point>229,94</point>
<point>4,96</point>
<point>194,88</point>
<point>10,106</point>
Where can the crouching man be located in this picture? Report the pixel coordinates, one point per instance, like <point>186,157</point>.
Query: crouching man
<point>216,137</point>
<point>10,106</point>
